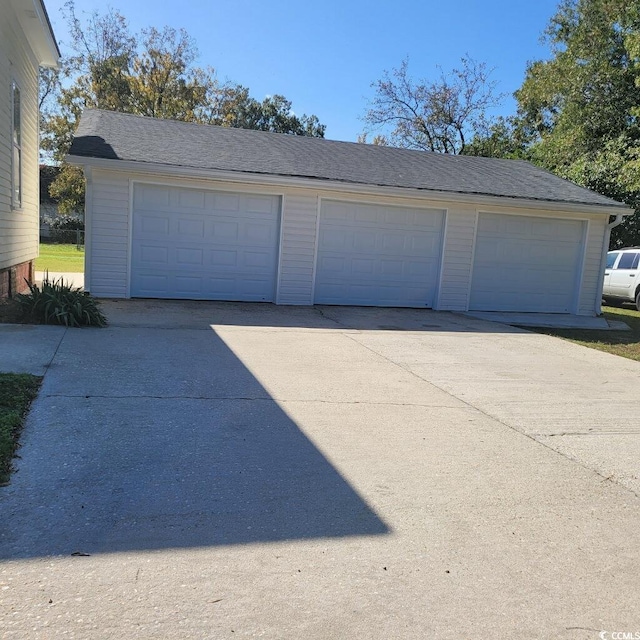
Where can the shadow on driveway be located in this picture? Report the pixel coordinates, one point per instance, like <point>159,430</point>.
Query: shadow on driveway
<point>148,439</point>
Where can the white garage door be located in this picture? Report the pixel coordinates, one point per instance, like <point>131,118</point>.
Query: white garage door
<point>525,263</point>
<point>204,245</point>
<point>374,255</point>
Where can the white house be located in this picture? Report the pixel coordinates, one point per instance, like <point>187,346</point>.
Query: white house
<point>179,210</point>
<point>26,43</point>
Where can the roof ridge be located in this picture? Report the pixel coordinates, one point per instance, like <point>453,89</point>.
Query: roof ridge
<point>262,132</point>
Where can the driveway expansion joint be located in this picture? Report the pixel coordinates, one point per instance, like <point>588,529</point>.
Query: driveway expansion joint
<point>275,399</point>
<point>55,353</point>
<point>566,456</point>
<point>585,433</point>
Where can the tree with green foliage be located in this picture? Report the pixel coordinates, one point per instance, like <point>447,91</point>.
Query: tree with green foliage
<point>234,107</point>
<point>501,138</point>
<point>152,73</point>
<point>578,111</point>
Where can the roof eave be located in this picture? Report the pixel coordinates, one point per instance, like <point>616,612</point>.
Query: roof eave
<point>352,187</point>
<point>34,21</point>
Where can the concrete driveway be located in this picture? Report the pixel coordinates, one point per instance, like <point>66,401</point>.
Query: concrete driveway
<point>203,470</point>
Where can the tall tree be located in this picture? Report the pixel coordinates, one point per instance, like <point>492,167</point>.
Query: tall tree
<point>152,74</point>
<point>234,107</point>
<point>503,137</point>
<point>440,115</point>
<point>579,110</point>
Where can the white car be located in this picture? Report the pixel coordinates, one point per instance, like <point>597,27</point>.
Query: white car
<point>622,277</point>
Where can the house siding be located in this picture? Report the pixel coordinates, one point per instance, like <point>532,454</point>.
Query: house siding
<point>297,248</point>
<point>591,274</point>
<point>108,237</point>
<point>108,224</point>
<point>19,228</point>
<point>457,260</point>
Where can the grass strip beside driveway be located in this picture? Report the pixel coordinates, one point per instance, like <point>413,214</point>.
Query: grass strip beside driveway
<point>65,258</point>
<point>620,343</point>
<point>17,392</point>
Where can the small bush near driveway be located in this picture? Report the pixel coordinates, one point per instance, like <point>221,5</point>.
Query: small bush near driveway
<point>56,302</point>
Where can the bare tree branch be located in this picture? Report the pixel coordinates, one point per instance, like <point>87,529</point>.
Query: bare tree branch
<point>435,115</point>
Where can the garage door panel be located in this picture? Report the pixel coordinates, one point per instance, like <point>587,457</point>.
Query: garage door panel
<point>259,204</point>
<point>363,215</point>
<point>373,255</point>
<point>188,286</point>
<point>365,241</point>
<point>391,268</point>
<point>190,257</point>
<point>360,294</point>
<point>154,255</point>
<point>362,267</point>
<point>426,244</point>
<point>332,239</point>
<point>151,196</point>
<point>260,233</point>
<point>154,283</point>
<point>224,230</point>
<point>394,242</point>
<point>222,258</point>
<point>190,199</point>
<point>193,227</point>
<point>258,259</point>
<point>214,253</point>
<point>224,202</point>
<point>153,225</point>
<point>523,263</point>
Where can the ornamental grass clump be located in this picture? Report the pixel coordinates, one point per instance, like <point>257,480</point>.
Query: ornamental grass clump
<point>56,302</point>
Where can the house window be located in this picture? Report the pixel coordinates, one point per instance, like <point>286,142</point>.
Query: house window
<point>16,140</point>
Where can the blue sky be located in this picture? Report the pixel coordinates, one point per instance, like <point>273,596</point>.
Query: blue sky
<point>324,56</point>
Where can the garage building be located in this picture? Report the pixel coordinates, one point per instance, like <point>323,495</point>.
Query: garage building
<point>188,211</point>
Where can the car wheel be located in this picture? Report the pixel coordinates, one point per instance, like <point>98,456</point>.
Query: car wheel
<point>638,300</point>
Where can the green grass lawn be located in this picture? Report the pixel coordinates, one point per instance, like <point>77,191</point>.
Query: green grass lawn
<point>620,343</point>
<point>17,391</point>
<point>60,258</point>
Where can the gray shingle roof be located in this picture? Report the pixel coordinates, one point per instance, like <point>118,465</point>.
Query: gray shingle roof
<point>117,136</point>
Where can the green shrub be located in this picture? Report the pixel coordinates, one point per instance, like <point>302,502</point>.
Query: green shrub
<point>64,231</point>
<point>10,425</point>
<point>59,303</point>
<point>16,393</point>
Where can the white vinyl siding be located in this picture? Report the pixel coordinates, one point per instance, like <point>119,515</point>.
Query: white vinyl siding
<point>526,263</point>
<point>108,240</point>
<point>297,250</point>
<point>591,273</point>
<point>457,259</point>
<point>19,227</point>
